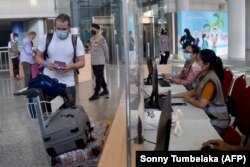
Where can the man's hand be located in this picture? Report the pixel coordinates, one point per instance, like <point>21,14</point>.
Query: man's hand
<point>67,68</point>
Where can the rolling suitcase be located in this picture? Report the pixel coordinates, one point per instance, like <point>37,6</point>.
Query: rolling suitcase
<point>69,130</point>
<point>62,131</point>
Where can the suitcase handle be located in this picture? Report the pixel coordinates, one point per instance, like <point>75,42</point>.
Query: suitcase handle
<point>74,130</point>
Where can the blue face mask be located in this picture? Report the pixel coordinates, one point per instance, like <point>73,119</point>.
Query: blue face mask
<point>62,34</point>
<point>187,56</point>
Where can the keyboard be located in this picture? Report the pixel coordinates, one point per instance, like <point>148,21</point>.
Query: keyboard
<point>164,83</point>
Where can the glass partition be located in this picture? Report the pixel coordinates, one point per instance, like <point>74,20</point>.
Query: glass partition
<point>133,44</point>
<point>142,22</point>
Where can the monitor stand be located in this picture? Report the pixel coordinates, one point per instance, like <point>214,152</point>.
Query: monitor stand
<point>148,80</point>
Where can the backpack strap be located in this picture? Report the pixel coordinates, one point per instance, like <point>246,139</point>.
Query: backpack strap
<point>74,43</point>
<point>48,40</point>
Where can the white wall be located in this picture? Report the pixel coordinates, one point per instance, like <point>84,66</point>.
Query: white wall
<point>25,9</point>
<point>36,25</point>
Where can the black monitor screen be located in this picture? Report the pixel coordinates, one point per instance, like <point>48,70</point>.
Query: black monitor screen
<point>154,98</point>
<point>150,72</point>
<point>164,127</point>
<point>150,66</point>
<point>155,92</point>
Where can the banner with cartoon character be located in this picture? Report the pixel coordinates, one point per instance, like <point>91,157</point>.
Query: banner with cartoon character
<point>209,29</point>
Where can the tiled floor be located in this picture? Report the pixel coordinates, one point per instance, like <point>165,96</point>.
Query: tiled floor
<point>20,140</point>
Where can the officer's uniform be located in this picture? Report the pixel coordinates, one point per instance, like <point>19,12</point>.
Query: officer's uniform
<point>99,55</point>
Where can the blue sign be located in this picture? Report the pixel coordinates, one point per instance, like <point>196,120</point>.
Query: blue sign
<point>210,29</point>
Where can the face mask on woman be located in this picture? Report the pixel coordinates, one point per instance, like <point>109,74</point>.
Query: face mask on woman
<point>62,34</point>
<point>196,66</point>
<point>187,56</point>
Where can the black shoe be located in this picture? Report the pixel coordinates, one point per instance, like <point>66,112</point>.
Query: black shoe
<point>94,97</point>
<point>104,92</point>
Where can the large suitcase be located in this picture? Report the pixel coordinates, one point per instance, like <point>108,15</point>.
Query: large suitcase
<point>62,131</point>
<point>68,130</point>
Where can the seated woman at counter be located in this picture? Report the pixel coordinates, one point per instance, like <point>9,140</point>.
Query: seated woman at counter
<point>190,70</point>
<point>223,146</point>
<point>208,92</point>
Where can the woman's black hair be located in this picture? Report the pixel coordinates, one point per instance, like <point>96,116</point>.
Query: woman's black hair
<point>188,32</point>
<point>195,48</point>
<point>164,31</point>
<point>209,56</point>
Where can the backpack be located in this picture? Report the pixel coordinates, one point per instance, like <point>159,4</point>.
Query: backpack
<point>48,40</point>
<point>49,86</point>
<point>50,89</point>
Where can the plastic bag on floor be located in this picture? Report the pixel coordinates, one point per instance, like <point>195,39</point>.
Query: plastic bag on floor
<point>88,157</point>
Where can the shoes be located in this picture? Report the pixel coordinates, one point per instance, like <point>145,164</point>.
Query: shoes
<point>104,92</point>
<point>94,97</point>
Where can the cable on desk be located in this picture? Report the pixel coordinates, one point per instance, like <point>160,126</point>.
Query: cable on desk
<point>149,141</point>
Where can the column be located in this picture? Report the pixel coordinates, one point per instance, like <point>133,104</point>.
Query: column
<point>74,13</point>
<point>247,31</point>
<point>236,29</point>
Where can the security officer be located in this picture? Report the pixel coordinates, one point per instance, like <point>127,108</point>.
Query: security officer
<point>99,54</point>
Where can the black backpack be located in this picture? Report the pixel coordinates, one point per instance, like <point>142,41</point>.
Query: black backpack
<point>48,40</point>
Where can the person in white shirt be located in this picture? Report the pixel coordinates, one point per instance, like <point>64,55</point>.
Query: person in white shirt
<point>61,49</point>
<point>14,54</point>
<point>27,56</point>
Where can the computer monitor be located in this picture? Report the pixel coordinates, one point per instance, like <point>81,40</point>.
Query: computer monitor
<point>153,101</point>
<point>150,71</point>
<point>164,126</point>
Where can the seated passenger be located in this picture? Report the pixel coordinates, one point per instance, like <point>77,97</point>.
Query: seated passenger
<point>208,92</point>
<point>190,70</point>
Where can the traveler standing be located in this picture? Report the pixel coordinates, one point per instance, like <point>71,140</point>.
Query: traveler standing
<point>14,54</point>
<point>99,54</point>
<point>27,56</point>
<point>186,39</point>
<point>61,50</point>
<point>164,46</point>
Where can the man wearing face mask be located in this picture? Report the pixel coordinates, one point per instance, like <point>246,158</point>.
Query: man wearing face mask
<point>61,50</point>
<point>99,54</point>
<point>190,70</point>
<point>14,54</point>
<point>27,56</point>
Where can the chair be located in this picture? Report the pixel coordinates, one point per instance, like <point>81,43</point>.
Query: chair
<point>228,79</point>
<point>238,87</point>
<point>243,114</point>
<point>230,135</point>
